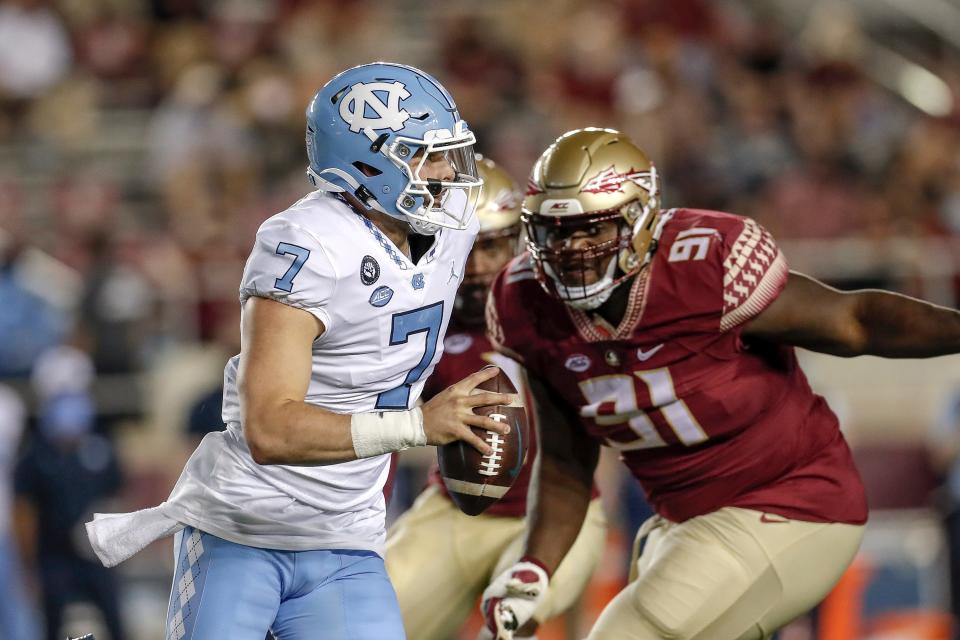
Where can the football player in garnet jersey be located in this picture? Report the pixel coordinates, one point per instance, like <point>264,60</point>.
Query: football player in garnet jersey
<point>438,558</point>
<point>669,335</point>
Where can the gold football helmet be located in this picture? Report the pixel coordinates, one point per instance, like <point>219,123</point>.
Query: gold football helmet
<point>498,210</point>
<point>593,188</point>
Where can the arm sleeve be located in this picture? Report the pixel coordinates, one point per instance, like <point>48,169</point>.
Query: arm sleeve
<point>754,273</point>
<point>290,265</point>
<point>507,327</point>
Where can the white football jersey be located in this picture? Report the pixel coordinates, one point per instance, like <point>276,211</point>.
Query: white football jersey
<point>385,320</point>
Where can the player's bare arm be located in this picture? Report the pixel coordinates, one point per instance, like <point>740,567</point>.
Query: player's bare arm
<point>275,362</point>
<point>560,494</point>
<point>562,479</point>
<point>812,315</point>
<point>281,428</point>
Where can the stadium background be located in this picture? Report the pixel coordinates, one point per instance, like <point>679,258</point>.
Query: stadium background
<point>143,141</point>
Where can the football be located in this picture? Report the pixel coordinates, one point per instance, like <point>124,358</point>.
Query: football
<point>476,481</point>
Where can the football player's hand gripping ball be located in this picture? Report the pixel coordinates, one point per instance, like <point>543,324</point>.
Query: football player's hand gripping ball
<point>509,601</point>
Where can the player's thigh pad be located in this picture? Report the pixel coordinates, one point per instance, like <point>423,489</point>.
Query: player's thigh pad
<point>440,559</point>
<point>573,574</point>
<point>732,574</point>
<point>221,589</point>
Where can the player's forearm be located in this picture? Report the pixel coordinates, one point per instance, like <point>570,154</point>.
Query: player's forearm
<point>560,501</point>
<point>897,326</point>
<point>298,433</point>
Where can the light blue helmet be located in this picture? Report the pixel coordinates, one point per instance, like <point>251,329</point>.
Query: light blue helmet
<point>366,124</point>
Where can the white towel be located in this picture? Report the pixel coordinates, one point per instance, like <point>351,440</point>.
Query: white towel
<point>117,536</point>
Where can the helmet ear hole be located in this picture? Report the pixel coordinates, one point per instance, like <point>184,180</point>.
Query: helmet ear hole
<point>366,169</point>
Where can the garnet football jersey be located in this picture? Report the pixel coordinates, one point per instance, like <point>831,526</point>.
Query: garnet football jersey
<point>466,352</point>
<point>703,418</point>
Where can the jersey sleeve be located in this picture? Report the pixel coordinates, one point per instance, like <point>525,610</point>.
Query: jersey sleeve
<point>289,264</point>
<point>509,329</point>
<point>754,273</point>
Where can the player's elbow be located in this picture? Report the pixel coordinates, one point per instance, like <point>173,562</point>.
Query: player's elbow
<point>265,447</point>
<point>851,332</point>
<point>261,449</point>
<point>261,452</point>
<point>851,339</point>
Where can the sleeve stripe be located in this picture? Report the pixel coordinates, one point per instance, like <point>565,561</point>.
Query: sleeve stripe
<point>762,295</point>
<point>741,250</point>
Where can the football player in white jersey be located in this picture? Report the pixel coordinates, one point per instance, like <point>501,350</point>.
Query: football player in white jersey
<point>346,298</point>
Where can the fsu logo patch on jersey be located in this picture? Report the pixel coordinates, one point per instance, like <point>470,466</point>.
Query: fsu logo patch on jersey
<point>369,270</point>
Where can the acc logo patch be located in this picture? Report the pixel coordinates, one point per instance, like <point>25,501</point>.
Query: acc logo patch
<point>457,343</point>
<point>370,106</point>
<point>381,296</point>
<point>369,270</point>
<point>577,362</point>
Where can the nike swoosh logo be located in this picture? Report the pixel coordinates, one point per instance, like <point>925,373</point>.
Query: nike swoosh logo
<point>773,519</point>
<point>643,356</point>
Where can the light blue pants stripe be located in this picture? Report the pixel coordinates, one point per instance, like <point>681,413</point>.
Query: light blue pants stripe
<point>223,590</point>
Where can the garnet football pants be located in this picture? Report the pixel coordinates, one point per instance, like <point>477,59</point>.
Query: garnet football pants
<point>440,561</point>
<point>227,591</point>
<point>734,574</point>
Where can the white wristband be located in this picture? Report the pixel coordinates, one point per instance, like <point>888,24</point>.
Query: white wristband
<point>378,432</point>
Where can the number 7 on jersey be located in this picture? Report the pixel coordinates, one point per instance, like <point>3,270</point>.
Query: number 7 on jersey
<point>300,256</point>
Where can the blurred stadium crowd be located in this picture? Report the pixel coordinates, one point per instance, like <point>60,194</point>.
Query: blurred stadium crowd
<point>143,141</point>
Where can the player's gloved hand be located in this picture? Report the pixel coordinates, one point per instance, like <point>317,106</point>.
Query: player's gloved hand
<point>509,601</point>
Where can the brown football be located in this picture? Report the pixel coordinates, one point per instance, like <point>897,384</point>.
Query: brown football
<point>473,480</point>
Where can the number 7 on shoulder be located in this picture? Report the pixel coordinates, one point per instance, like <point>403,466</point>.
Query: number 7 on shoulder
<point>300,256</point>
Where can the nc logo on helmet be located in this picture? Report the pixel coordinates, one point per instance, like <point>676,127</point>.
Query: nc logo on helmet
<point>365,110</point>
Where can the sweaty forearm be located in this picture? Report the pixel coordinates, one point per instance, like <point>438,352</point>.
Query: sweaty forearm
<point>897,326</point>
<point>560,502</point>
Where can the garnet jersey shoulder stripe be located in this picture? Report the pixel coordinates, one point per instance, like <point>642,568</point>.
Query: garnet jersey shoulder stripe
<point>754,274</point>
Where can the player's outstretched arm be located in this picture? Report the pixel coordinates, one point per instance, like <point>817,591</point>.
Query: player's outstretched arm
<point>281,428</point>
<point>812,315</point>
<point>562,480</point>
<point>559,496</point>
